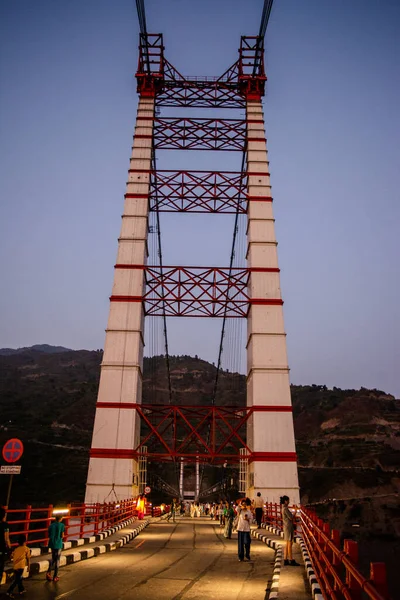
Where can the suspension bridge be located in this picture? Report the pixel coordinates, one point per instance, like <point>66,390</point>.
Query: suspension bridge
<point>191,558</point>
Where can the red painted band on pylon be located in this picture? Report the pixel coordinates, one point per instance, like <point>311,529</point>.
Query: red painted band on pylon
<point>272,301</point>
<point>273,457</point>
<point>143,136</point>
<point>249,139</point>
<point>137,195</point>
<point>126,298</point>
<point>128,453</point>
<point>254,120</point>
<point>119,405</point>
<point>112,453</point>
<point>136,405</point>
<point>259,198</point>
<point>263,269</point>
<point>129,266</point>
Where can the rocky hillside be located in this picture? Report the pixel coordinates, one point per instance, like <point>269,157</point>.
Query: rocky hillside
<point>348,441</point>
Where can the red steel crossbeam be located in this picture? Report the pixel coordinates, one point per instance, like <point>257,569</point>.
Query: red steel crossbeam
<point>196,291</point>
<point>180,133</point>
<point>211,434</point>
<point>198,191</point>
<point>200,94</point>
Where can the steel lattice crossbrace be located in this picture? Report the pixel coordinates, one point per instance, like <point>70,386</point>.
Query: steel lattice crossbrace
<point>196,291</point>
<point>181,133</point>
<point>197,191</point>
<point>211,434</point>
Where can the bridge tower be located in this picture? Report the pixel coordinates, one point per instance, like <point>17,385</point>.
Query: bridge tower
<point>261,433</point>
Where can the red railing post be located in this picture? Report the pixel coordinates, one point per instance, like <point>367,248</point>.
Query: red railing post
<point>378,578</point>
<point>351,550</point>
<point>82,513</point>
<point>96,518</point>
<point>28,514</point>
<point>66,521</point>
<point>48,522</point>
<point>336,563</point>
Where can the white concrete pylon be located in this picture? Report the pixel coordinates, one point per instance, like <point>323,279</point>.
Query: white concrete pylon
<point>270,432</point>
<point>113,473</point>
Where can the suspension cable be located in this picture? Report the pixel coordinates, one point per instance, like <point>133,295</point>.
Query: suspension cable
<point>160,257</point>
<point>261,34</point>
<point>141,16</point>
<point>232,258</point>
<point>221,344</point>
<point>265,18</point>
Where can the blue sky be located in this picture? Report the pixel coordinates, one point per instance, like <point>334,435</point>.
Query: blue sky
<point>67,112</point>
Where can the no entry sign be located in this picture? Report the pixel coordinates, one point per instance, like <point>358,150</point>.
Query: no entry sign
<point>13,450</point>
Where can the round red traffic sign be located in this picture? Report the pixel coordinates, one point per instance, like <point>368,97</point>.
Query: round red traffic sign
<point>13,450</point>
<point>147,489</point>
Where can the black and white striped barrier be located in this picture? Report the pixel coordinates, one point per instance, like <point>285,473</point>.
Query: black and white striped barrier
<point>42,565</point>
<point>315,588</point>
<point>72,557</point>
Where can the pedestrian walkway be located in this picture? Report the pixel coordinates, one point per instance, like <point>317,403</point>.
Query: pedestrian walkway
<point>186,560</point>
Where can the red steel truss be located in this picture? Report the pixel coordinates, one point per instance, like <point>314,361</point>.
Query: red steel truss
<point>200,94</point>
<point>210,434</point>
<point>156,76</point>
<point>197,433</point>
<point>180,133</point>
<point>196,291</point>
<point>199,191</point>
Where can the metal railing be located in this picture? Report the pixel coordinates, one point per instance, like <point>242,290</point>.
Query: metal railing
<point>335,565</point>
<point>80,520</point>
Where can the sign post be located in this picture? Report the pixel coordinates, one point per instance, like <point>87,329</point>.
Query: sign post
<point>12,451</point>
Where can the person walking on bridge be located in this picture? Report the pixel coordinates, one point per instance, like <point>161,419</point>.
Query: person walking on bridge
<point>259,506</point>
<point>243,530</point>
<point>21,559</point>
<point>173,510</point>
<point>56,534</point>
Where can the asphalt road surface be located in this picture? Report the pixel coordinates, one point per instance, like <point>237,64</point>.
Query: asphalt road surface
<point>188,560</point>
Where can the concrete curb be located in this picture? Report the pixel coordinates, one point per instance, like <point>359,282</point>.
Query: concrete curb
<point>42,565</point>
<point>314,585</point>
<point>274,589</point>
<point>82,554</point>
<point>263,538</point>
<point>85,540</point>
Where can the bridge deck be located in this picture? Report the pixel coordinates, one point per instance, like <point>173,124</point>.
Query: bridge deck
<point>189,560</point>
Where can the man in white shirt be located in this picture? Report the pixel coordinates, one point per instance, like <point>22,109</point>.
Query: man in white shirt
<point>243,529</point>
<point>259,506</point>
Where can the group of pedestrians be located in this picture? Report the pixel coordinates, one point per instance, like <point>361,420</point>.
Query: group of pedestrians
<point>238,517</point>
<point>20,556</point>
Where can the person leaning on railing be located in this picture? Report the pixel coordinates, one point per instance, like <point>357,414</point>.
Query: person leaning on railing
<point>288,532</point>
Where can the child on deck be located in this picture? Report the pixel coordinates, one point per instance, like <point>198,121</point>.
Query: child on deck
<point>21,559</point>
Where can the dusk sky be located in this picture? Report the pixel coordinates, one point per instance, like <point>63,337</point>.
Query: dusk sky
<point>67,112</point>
